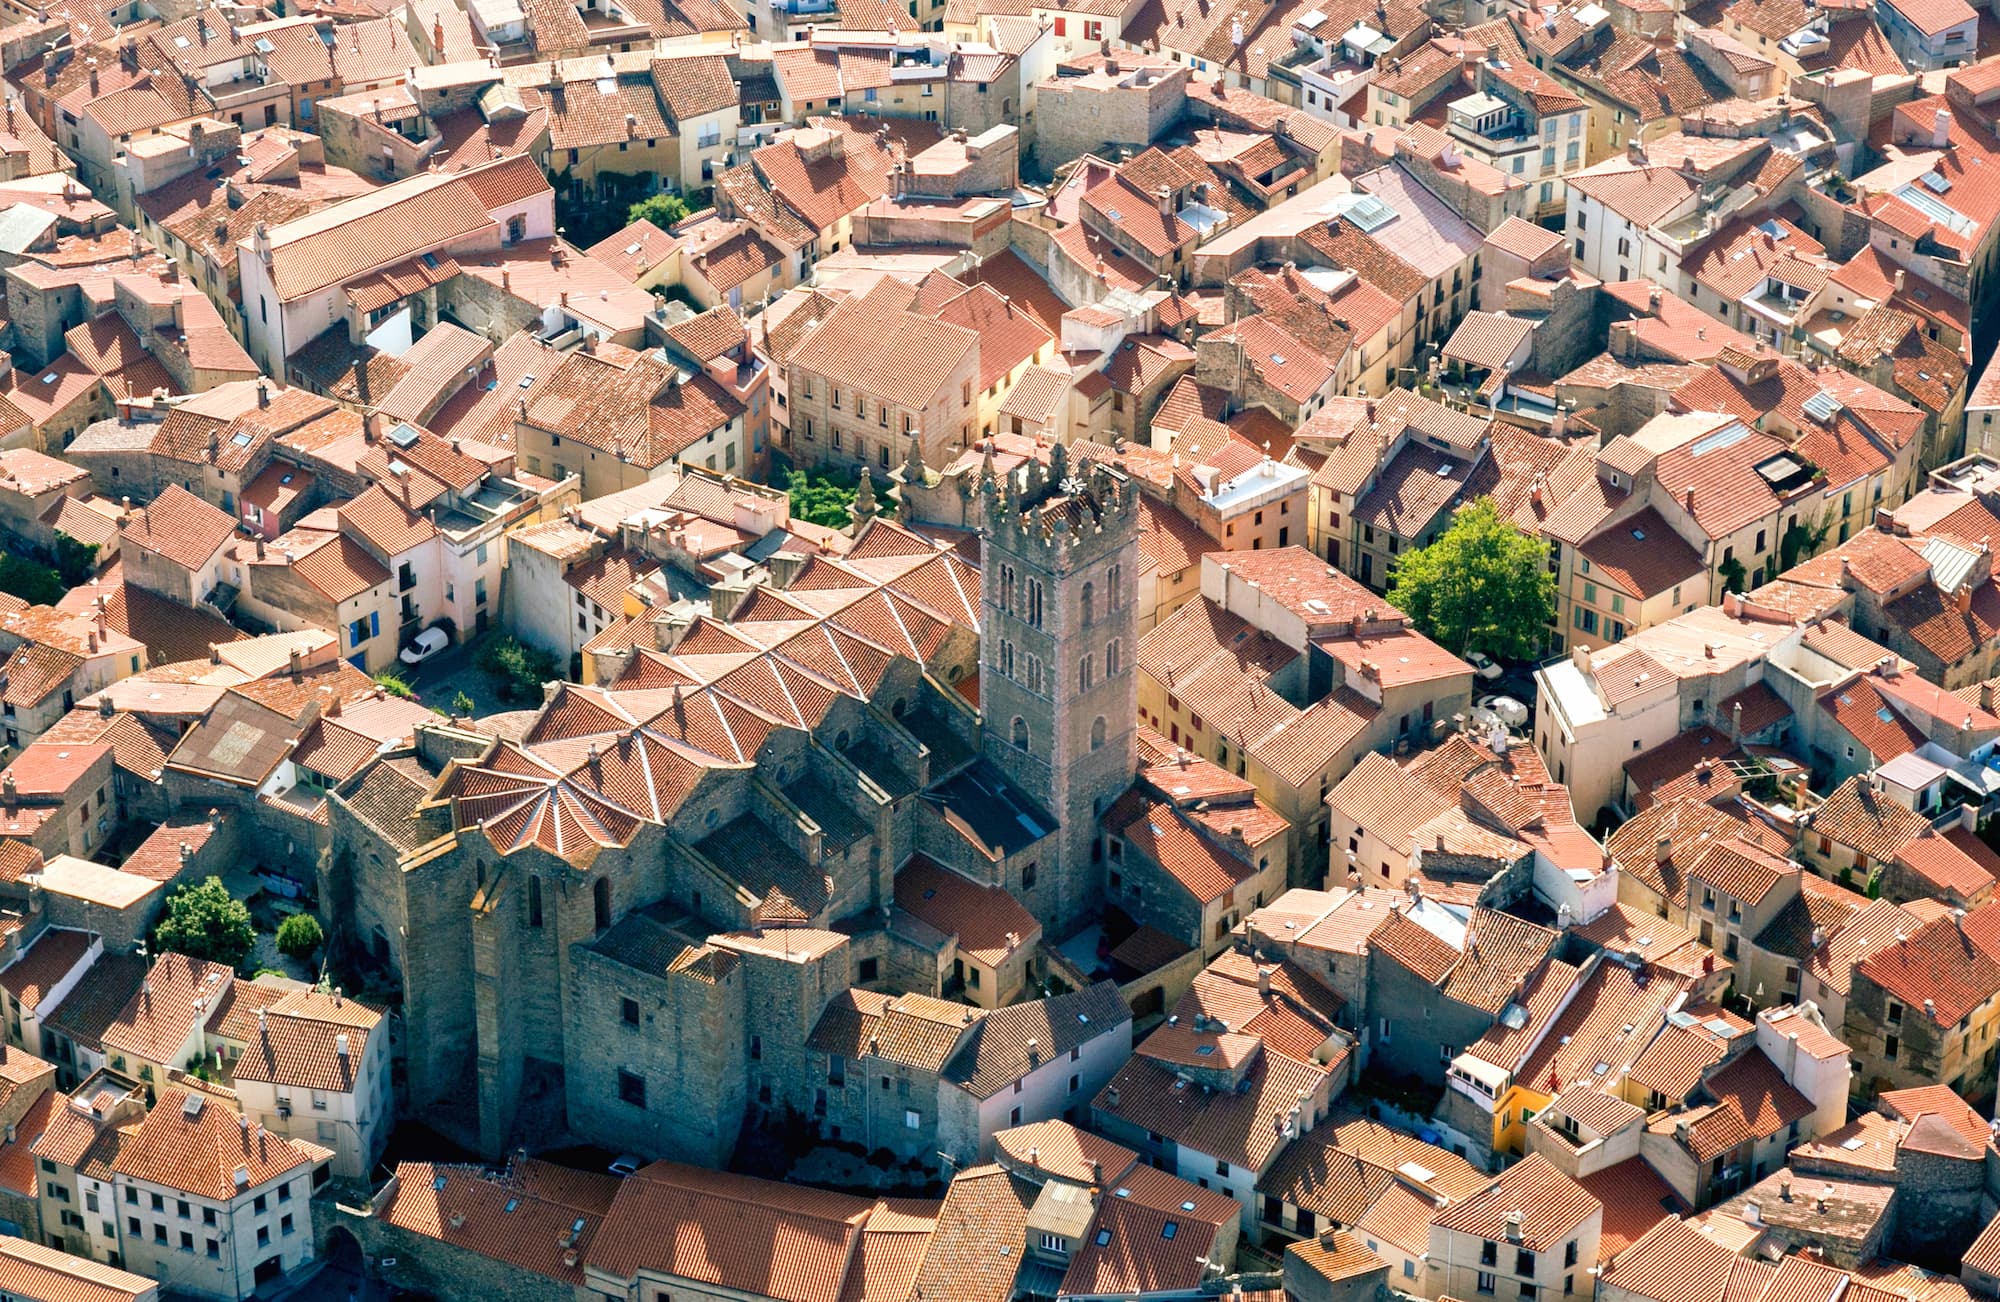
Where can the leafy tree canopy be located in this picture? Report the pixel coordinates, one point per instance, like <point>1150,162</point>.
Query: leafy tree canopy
<point>1482,585</point>
<point>663,210</point>
<point>820,498</point>
<point>204,921</point>
<point>38,585</point>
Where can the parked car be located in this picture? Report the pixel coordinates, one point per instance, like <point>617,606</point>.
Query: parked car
<point>425,645</point>
<point>1484,665</point>
<point>624,1165</point>
<point>1508,710</point>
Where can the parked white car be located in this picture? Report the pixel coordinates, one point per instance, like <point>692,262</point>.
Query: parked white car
<point>425,645</point>
<point>1483,665</point>
<point>1508,710</point>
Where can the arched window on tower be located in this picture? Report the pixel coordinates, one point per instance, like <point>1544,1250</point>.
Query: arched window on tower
<point>1035,602</point>
<point>1112,598</point>
<point>1089,604</point>
<point>1114,655</point>
<point>1085,674</point>
<point>1020,732</point>
<point>600,900</point>
<point>1097,732</point>
<point>534,901</point>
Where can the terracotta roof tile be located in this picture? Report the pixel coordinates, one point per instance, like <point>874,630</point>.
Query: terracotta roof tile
<point>1551,1204</point>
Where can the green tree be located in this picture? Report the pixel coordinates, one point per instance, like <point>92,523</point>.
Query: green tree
<point>663,210</point>
<point>821,498</point>
<point>38,585</point>
<point>463,705</point>
<point>203,921</point>
<point>300,937</point>
<point>518,671</point>
<point>76,562</point>
<point>1734,578</point>
<point>1483,585</point>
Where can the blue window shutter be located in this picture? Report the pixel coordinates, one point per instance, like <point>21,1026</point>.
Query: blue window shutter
<point>374,623</point>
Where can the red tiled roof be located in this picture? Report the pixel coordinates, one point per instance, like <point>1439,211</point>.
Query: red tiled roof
<point>1939,964</point>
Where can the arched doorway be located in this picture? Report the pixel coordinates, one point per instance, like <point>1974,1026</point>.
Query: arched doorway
<point>343,1250</point>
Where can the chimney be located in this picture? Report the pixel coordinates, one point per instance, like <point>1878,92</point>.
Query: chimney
<point>340,1045</point>
<point>1736,722</point>
<point>1940,128</point>
<point>1514,1226</point>
<point>1166,201</point>
<point>1663,849</point>
<point>263,392</point>
<point>1687,497</point>
<point>298,664</point>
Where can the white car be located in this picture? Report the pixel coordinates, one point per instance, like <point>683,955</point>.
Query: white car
<point>1508,710</point>
<point>1483,665</point>
<point>425,645</point>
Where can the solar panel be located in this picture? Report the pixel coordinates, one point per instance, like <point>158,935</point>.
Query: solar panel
<point>1735,433</point>
<point>1935,182</point>
<point>403,436</point>
<point>1822,407</point>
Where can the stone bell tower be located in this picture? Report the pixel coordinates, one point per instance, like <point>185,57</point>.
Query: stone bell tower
<point>1058,690</point>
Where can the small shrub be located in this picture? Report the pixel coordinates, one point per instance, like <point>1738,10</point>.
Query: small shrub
<point>300,937</point>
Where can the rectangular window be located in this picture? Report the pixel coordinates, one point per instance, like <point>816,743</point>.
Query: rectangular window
<point>631,1088</point>
<point>913,1119</point>
<point>628,1011</point>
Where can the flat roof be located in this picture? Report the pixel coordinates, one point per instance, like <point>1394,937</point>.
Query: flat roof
<point>95,883</point>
